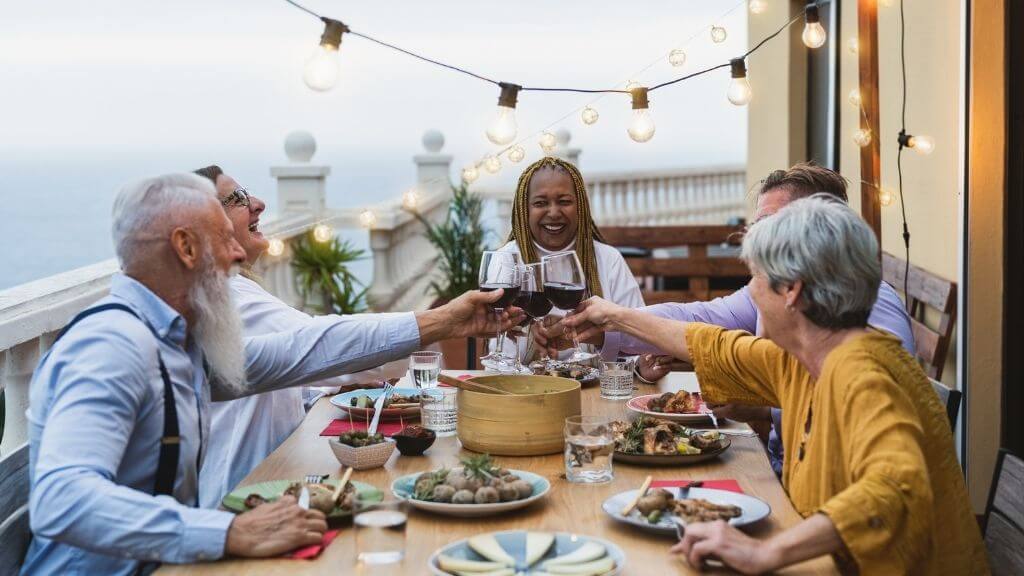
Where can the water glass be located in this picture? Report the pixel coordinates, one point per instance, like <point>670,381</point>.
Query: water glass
<point>589,444</point>
<point>424,367</point>
<point>439,410</point>
<point>380,531</point>
<point>616,380</point>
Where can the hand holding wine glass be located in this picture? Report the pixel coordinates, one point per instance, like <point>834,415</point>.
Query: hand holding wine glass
<point>500,270</point>
<point>565,286</point>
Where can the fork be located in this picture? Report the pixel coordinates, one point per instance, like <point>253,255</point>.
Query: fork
<point>378,408</point>
<point>315,478</point>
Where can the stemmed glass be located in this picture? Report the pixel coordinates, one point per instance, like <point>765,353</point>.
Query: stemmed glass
<point>565,285</point>
<point>531,293</point>
<point>499,269</point>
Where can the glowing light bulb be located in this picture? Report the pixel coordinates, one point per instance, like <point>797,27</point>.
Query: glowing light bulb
<point>718,34</point>
<point>853,45</point>
<point>589,115</point>
<point>886,197</point>
<point>547,142</point>
<point>322,233</point>
<point>492,164</point>
<point>470,174</point>
<point>862,137</point>
<point>677,57</point>
<point>757,6</point>
<point>516,154</point>
<point>641,128</point>
<point>276,247</point>
<point>321,70</point>
<point>739,92</point>
<point>921,144</point>
<point>814,34</point>
<point>503,128</point>
<point>367,218</point>
<point>854,97</point>
<point>411,199</point>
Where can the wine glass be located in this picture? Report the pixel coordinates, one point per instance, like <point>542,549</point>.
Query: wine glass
<point>499,269</point>
<point>565,285</point>
<point>531,294</point>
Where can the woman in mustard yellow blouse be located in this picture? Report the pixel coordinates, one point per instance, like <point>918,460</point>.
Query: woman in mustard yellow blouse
<point>870,462</point>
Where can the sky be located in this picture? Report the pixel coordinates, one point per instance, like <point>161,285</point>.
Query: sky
<point>96,94</point>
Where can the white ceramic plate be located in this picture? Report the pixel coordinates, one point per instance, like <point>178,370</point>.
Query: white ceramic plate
<point>403,486</point>
<point>514,542</point>
<point>344,401</point>
<point>754,509</point>
<point>638,404</point>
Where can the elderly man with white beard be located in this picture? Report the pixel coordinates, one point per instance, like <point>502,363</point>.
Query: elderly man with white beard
<point>119,410</point>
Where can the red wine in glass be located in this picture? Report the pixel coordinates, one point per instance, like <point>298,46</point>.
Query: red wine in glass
<point>564,295</point>
<point>511,291</point>
<point>535,304</point>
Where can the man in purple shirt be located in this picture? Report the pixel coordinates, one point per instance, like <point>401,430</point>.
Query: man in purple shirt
<point>737,310</point>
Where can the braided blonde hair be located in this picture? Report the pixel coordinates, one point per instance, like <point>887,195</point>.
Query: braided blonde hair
<point>586,231</point>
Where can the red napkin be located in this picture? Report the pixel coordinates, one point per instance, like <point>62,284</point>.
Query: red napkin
<point>336,427</point>
<point>730,485</point>
<point>310,552</point>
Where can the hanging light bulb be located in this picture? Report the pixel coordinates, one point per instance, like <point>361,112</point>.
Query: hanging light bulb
<point>862,137</point>
<point>853,45</point>
<point>886,196</point>
<point>492,164</point>
<point>470,174</point>
<point>920,143</point>
<point>322,233</point>
<point>677,57</point>
<point>814,33</point>
<point>718,34</point>
<point>854,97</point>
<point>589,115</point>
<point>503,128</point>
<point>411,199</point>
<point>739,89</point>
<point>367,218</point>
<point>321,70</point>
<point>641,128</point>
<point>547,142</point>
<point>276,247</point>
<point>516,154</point>
<point>757,6</point>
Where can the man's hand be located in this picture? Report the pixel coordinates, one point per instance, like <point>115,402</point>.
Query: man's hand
<point>273,529</point>
<point>467,316</point>
<point>742,412</point>
<point>654,367</point>
<point>720,541</point>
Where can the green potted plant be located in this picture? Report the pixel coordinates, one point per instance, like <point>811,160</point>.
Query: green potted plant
<point>460,240</point>
<point>322,276</point>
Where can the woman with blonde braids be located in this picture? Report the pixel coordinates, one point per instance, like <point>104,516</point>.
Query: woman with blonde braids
<point>551,213</point>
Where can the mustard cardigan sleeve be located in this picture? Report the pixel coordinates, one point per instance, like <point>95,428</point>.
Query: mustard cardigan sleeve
<point>883,516</point>
<point>735,367</point>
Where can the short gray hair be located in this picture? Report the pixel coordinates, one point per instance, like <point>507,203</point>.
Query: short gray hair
<point>149,209</point>
<point>823,243</point>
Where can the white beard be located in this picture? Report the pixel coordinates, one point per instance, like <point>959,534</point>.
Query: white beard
<point>218,329</point>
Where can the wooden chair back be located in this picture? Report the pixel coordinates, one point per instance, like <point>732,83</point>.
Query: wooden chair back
<point>950,399</point>
<point>1004,516</point>
<point>14,527</point>
<point>699,269</point>
<point>925,290</point>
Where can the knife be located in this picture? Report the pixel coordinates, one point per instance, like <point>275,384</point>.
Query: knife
<point>304,498</point>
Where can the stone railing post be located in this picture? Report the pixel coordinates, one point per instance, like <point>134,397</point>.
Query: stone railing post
<point>433,169</point>
<point>301,186</point>
<point>19,364</point>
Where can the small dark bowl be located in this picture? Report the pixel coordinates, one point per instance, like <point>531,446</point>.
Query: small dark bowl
<point>413,445</point>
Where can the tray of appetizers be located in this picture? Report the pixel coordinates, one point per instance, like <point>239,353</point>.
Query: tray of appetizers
<point>655,442</point>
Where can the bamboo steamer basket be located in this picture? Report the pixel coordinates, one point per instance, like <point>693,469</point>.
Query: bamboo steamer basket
<point>529,422</point>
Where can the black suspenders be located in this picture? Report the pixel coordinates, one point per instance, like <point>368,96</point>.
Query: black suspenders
<point>170,443</point>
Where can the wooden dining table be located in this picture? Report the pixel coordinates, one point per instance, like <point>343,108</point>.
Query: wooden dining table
<point>568,507</point>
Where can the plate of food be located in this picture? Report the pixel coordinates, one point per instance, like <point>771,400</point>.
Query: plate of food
<point>657,442</point>
<point>681,406</point>
<point>248,497</point>
<point>403,403</point>
<point>585,375</point>
<point>477,488</point>
<point>519,552</point>
<point>657,510</point>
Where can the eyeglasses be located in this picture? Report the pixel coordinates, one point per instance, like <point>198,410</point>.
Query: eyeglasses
<point>239,197</point>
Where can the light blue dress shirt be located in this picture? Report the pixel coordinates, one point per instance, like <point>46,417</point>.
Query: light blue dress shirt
<point>96,419</point>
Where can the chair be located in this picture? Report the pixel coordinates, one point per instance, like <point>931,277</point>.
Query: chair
<point>950,398</point>
<point>925,290</point>
<point>701,270</point>
<point>14,527</point>
<point>1004,516</point>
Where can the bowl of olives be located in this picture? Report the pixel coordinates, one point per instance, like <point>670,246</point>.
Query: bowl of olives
<point>362,451</point>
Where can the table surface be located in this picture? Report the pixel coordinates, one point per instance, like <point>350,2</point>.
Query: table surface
<point>568,507</point>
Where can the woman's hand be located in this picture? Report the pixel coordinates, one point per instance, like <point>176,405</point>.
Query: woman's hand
<point>720,541</point>
<point>654,367</point>
<point>593,317</point>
